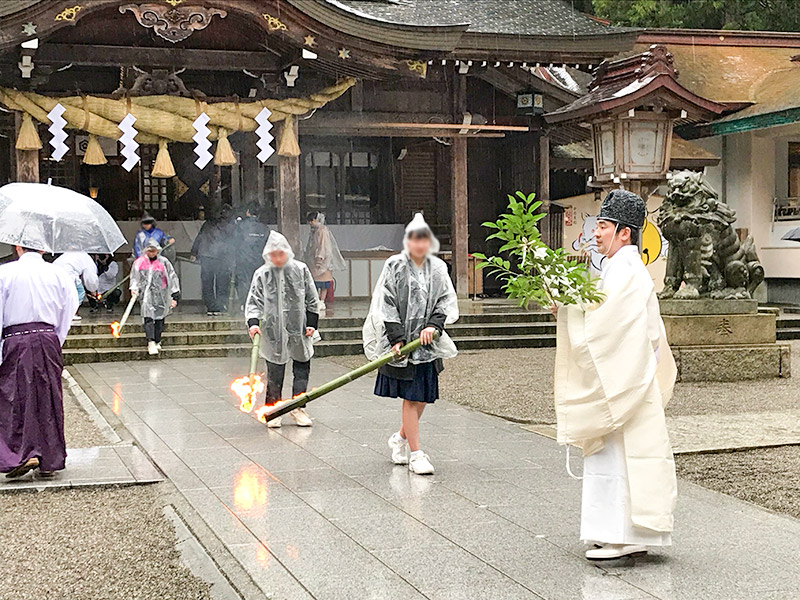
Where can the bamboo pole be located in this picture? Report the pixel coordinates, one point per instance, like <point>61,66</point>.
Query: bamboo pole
<point>306,397</point>
<point>254,360</point>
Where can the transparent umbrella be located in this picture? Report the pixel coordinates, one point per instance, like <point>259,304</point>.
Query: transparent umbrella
<point>55,219</point>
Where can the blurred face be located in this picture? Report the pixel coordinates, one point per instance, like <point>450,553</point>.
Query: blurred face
<point>147,226</point>
<point>314,223</point>
<point>418,246</point>
<point>151,252</point>
<point>278,258</point>
<point>611,238</point>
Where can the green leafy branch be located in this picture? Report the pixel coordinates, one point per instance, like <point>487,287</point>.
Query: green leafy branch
<point>533,271</point>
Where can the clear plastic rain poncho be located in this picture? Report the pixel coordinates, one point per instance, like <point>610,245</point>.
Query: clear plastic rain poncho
<point>410,295</point>
<point>280,298</point>
<point>322,253</point>
<point>155,281</point>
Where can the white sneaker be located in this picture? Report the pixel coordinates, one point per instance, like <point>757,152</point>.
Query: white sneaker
<point>399,447</point>
<point>420,464</point>
<point>76,319</point>
<point>152,348</point>
<point>158,345</point>
<point>609,551</point>
<point>322,306</point>
<point>274,423</point>
<point>301,417</point>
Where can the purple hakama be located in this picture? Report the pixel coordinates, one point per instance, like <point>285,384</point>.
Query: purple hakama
<point>31,400</point>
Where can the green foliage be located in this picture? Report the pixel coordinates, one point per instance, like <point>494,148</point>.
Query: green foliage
<point>534,272</point>
<point>768,15</point>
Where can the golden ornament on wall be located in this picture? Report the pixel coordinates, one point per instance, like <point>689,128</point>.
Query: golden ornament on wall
<point>344,53</point>
<point>274,23</point>
<point>173,3</point>
<point>420,67</point>
<point>68,14</point>
<point>310,41</point>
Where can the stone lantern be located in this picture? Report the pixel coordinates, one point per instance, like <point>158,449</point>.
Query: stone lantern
<point>631,106</point>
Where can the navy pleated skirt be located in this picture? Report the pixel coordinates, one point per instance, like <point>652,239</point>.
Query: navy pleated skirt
<point>424,387</point>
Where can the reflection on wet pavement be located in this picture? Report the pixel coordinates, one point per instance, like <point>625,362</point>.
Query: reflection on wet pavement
<point>321,513</point>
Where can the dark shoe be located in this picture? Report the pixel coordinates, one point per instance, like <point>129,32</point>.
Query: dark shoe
<point>47,474</point>
<point>27,466</point>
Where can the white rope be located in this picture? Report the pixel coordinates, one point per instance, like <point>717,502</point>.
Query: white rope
<point>569,469</point>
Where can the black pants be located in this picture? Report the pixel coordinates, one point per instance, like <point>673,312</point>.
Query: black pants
<point>153,328</point>
<point>215,276</point>
<point>108,300</point>
<point>275,373</point>
<point>244,277</point>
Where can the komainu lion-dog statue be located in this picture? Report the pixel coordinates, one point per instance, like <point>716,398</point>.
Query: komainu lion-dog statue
<point>704,249</point>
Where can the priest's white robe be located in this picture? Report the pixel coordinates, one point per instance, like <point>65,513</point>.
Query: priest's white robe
<point>614,374</point>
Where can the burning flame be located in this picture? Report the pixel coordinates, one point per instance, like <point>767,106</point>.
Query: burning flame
<point>115,329</point>
<point>247,391</point>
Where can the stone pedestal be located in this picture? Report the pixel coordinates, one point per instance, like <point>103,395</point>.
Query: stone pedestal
<point>724,340</point>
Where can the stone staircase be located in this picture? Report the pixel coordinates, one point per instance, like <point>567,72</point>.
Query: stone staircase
<point>788,324</point>
<point>200,336</point>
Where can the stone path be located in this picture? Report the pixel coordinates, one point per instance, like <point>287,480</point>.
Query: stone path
<point>321,513</point>
<point>122,464</point>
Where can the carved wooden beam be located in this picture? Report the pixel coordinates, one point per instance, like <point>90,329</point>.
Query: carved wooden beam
<point>173,24</point>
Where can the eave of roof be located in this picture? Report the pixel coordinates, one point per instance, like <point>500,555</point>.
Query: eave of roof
<point>596,103</point>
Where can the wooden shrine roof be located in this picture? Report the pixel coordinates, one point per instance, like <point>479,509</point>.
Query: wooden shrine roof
<point>641,79</point>
<point>514,17</point>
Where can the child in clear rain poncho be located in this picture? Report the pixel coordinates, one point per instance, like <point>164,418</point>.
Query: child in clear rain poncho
<point>154,281</point>
<point>283,307</point>
<point>414,298</point>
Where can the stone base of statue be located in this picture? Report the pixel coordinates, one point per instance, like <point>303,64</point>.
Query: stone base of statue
<point>724,340</point>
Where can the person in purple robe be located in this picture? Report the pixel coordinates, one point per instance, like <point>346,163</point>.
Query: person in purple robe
<point>37,303</point>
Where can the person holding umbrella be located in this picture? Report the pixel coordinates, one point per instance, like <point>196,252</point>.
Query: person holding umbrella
<point>37,302</point>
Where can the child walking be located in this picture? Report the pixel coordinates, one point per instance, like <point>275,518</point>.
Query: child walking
<point>284,301</point>
<point>154,281</point>
<point>414,298</point>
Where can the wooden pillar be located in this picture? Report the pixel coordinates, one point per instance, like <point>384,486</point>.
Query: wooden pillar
<point>543,191</point>
<point>289,200</point>
<point>27,161</point>
<point>460,212</point>
<point>459,197</point>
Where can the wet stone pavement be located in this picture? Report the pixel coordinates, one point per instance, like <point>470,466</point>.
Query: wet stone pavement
<point>321,513</point>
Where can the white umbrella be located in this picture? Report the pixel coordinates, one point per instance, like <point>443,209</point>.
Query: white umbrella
<point>55,219</point>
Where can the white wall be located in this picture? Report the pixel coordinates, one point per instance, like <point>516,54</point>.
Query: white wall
<point>754,168</point>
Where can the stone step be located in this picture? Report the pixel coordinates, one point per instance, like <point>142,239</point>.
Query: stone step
<point>228,338</point>
<point>787,322</point>
<point>239,336</point>
<point>325,348</point>
<point>237,324</point>
<point>788,333</point>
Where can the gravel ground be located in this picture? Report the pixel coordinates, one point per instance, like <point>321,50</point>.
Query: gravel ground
<point>517,384</point>
<point>79,429</point>
<point>92,544</point>
<point>766,476</point>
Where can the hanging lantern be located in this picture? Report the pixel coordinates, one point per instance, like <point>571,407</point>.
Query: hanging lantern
<point>631,108</point>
